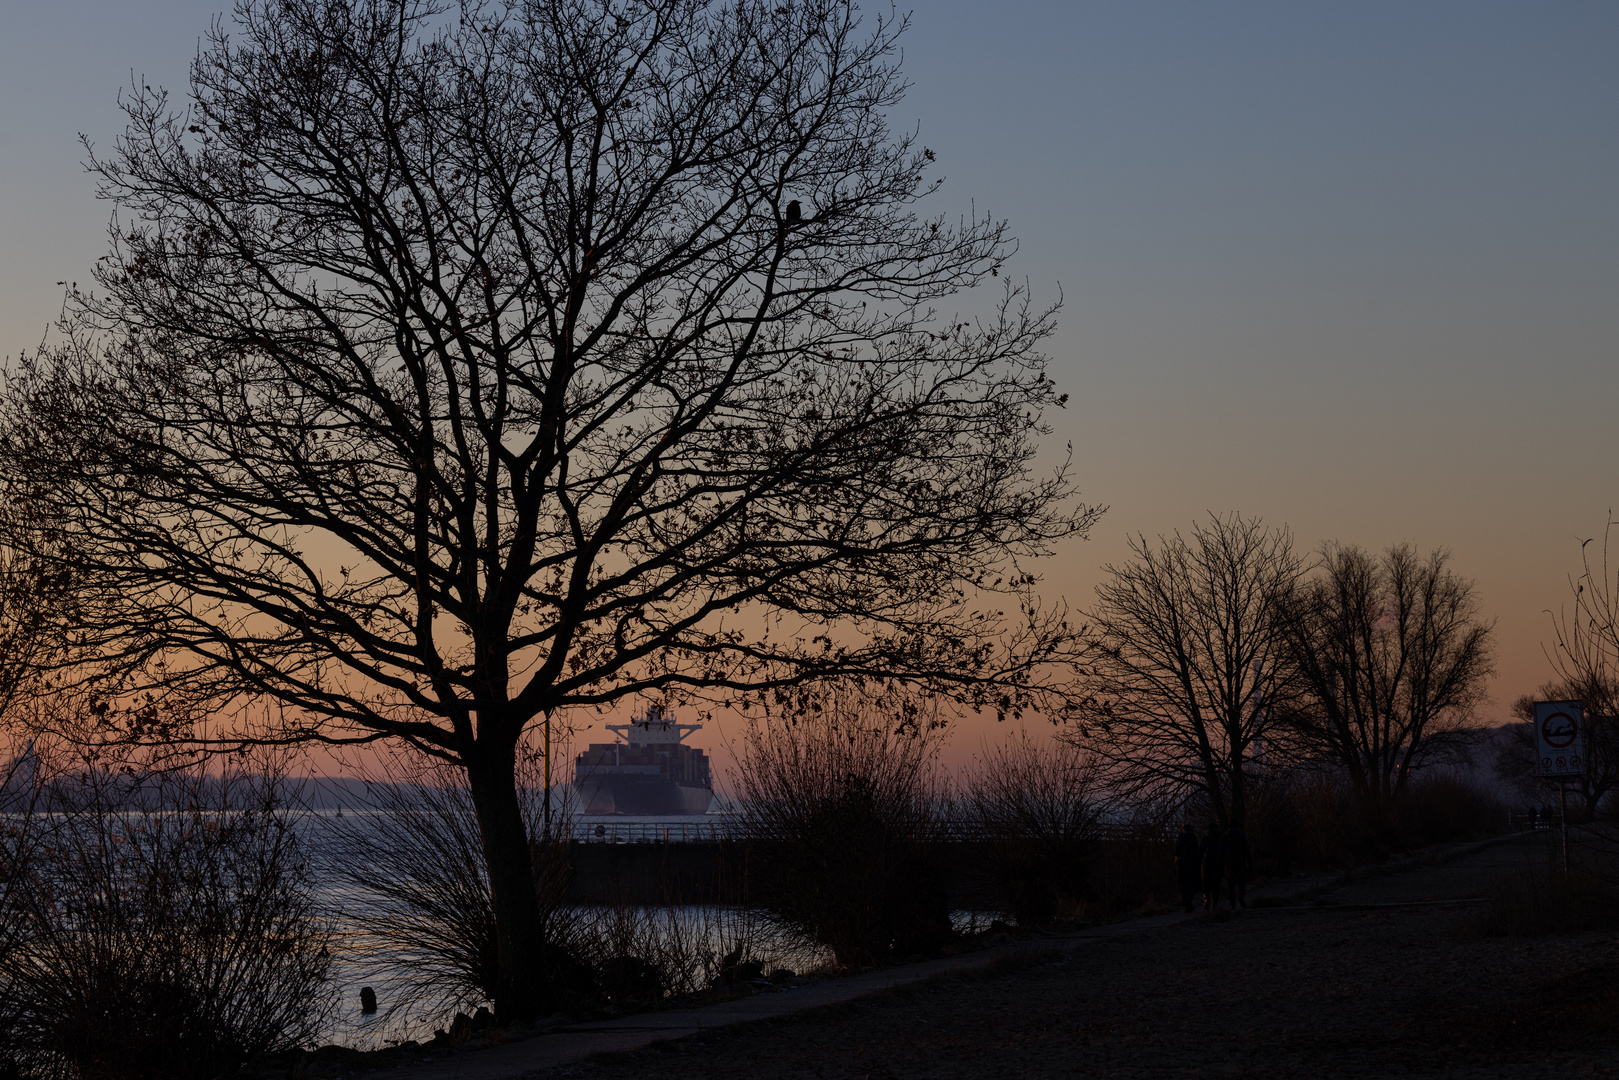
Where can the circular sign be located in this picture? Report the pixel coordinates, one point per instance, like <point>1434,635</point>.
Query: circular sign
<point>1559,730</point>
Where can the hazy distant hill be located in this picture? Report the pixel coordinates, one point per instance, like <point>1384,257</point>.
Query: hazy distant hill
<point>19,776</point>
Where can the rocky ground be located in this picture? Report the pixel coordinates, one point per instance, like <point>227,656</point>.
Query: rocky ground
<point>1344,986</point>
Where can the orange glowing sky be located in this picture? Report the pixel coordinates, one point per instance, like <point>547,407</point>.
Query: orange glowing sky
<point>1351,268</point>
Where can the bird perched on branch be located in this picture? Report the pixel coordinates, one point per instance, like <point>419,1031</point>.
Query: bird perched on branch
<point>795,213</point>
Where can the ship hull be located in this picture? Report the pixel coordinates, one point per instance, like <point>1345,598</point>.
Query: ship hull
<point>641,796</point>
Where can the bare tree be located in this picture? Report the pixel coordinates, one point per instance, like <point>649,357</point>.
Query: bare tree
<point>452,366</point>
<point>1394,656</point>
<point>1189,667</point>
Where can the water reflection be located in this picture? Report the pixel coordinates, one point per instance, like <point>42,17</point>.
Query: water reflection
<point>687,942</point>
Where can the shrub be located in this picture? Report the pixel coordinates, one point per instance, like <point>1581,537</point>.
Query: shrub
<point>1038,809</point>
<point>642,953</point>
<point>1312,821</point>
<point>1444,807</point>
<point>1133,870</point>
<point>167,927</point>
<point>17,840</point>
<point>842,806</point>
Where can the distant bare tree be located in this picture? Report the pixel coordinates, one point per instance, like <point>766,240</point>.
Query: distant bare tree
<point>453,365</point>
<point>1189,667</point>
<point>1394,656</point>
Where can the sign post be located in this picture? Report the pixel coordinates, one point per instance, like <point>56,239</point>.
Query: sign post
<point>1560,750</point>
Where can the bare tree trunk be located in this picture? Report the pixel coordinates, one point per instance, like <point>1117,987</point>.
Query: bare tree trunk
<point>523,989</point>
<point>1239,792</point>
<point>1213,775</point>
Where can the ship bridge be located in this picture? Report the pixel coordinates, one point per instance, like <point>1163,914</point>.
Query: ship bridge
<point>654,727</point>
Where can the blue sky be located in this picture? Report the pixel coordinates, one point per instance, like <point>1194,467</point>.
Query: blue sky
<point>1351,267</point>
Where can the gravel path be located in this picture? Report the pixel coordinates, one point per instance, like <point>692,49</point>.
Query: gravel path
<point>1341,988</point>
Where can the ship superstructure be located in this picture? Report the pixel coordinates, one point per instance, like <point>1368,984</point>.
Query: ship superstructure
<point>648,772</point>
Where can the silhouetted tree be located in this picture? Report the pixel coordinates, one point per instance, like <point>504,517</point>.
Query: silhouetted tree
<point>1394,657</point>
<point>452,366</point>
<point>1188,668</point>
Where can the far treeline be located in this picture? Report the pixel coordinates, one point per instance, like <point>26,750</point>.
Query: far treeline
<point>457,371</point>
<point>1217,650</point>
<point>1222,654</point>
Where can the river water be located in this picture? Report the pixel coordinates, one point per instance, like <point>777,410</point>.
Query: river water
<point>686,935</point>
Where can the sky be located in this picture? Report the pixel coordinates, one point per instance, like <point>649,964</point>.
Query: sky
<point>1351,268</point>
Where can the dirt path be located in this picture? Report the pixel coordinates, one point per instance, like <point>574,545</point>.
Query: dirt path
<point>1341,988</point>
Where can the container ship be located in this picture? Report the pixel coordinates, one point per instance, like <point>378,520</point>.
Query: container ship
<point>649,772</point>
